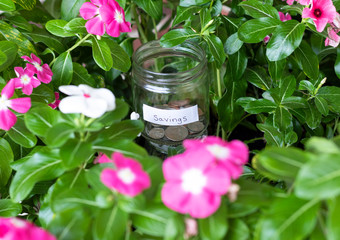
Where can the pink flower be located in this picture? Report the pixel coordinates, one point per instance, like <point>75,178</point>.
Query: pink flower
<point>266,39</point>
<point>290,2</point>
<point>322,12</point>
<point>304,2</point>
<point>230,155</point>
<point>284,17</point>
<point>128,178</point>
<point>43,72</point>
<point>118,24</point>
<point>25,80</point>
<point>56,102</point>
<point>17,229</point>
<point>21,105</point>
<point>333,38</point>
<point>194,184</point>
<point>191,229</point>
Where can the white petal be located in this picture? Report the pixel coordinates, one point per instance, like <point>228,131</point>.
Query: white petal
<point>106,95</point>
<point>72,104</point>
<point>86,89</point>
<point>71,90</point>
<point>95,107</point>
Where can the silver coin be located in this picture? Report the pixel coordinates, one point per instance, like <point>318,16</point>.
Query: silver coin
<point>156,133</point>
<point>176,133</point>
<point>196,126</point>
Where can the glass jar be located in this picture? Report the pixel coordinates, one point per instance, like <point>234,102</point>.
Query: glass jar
<point>171,93</point>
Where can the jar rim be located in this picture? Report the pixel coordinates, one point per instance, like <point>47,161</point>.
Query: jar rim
<point>163,78</point>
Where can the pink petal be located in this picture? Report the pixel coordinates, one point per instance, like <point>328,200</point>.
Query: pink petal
<point>7,119</point>
<point>17,83</point>
<point>31,68</point>
<point>35,82</point>
<point>27,89</point>
<point>8,90</point>
<point>320,24</point>
<point>35,59</point>
<point>174,198</point>
<point>113,29</point>
<point>307,13</point>
<point>218,180</point>
<point>239,151</point>
<point>304,2</point>
<point>290,2</point>
<point>19,71</point>
<point>20,105</point>
<point>125,27</point>
<point>106,13</point>
<point>88,10</point>
<point>26,58</point>
<point>104,159</point>
<point>121,162</point>
<point>203,205</point>
<point>99,3</point>
<point>95,26</point>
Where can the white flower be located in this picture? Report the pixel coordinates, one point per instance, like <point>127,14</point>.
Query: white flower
<point>92,102</point>
<point>134,116</point>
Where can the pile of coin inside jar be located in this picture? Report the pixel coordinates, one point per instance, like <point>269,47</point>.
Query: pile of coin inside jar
<point>176,133</point>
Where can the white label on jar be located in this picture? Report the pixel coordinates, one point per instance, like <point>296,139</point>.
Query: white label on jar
<point>170,117</point>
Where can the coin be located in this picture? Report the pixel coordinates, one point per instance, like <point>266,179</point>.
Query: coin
<point>156,133</point>
<point>179,103</point>
<point>200,112</point>
<point>176,133</point>
<point>196,126</point>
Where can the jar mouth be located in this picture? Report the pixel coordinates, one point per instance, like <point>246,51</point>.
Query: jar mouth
<point>160,65</point>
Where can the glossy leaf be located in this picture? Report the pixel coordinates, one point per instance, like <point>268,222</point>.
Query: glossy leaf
<point>108,223</point>
<point>322,105</point>
<point>333,230</point>
<point>8,208</point>
<point>308,59</point>
<point>259,106</point>
<point>75,152</point>
<point>337,63</point>
<point>57,27</point>
<point>58,134</point>
<point>154,8</point>
<point>255,30</point>
<point>10,49</point>
<point>42,94</point>
<point>41,166</point>
<point>188,3</point>
<point>7,5</point>
<point>70,8</point>
<point>127,129</point>
<point>21,22</point>
<point>101,54</point>
<point>257,9</point>
<point>276,69</point>
<point>313,116</point>
<point>237,64</point>
<point>76,26</point>
<point>21,135</point>
<point>285,39</point>
<point>215,226</point>
<point>176,36</point>
<point>307,85</point>
<point>25,47</point>
<point>332,95</point>
<point>282,118</point>
<point>216,49</point>
<point>62,70</point>
<point>81,76</point>
<point>121,60</point>
<point>121,110</point>
<point>287,87</point>
<point>258,77</point>
<point>238,230</point>
<point>319,178</point>
<point>26,4</point>
<point>289,218</point>
<point>6,157</point>
<point>271,135</point>
<point>233,44</point>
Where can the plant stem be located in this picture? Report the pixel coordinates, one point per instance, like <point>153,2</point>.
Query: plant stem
<point>219,85</point>
<point>73,47</point>
<point>155,28</point>
<point>139,27</point>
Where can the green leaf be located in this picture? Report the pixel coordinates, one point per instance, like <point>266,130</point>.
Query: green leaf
<point>322,105</point>
<point>176,36</point>
<point>237,64</point>
<point>285,39</point>
<point>81,76</point>
<point>70,8</point>
<point>21,135</point>
<point>121,60</point>
<point>40,119</point>
<point>41,36</point>
<point>175,228</point>
<point>58,134</point>
<point>10,49</point>
<point>287,87</point>
<point>25,47</point>
<point>294,102</point>
<point>53,7</point>
<point>26,4</point>
<point>3,58</point>
<point>313,116</point>
<point>333,230</point>
<point>282,118</point>
<point>101,54</point>
<point>205,18</point>
<point>62,70</point>
<point>124,146</point>
<point>121,110</point>
<point>276,69</point>
<point>238,230</point>
<point>321,145</point>
<point>215,226</point>
<point>188,3</point>
<point>42,94</point>
<point>216,48</point>
<point>272,135</point>
<point>110,223</point>
<point>289,218</point>
<point>216,8</point>
<point>127,129</point>
<point>41,166</point>
<point>8,208</point>
<point>233,44</point>
<point>154,8</point>
<point>320,178</point>
<point>7,5</point>
<point>281,163</point>
<point>75,152</point>
<point>6,157</point>
<point>21,22</point>
<point>255,30</point>
<point>259,106</point>
<point>152,219</point>
<point>332,95</point>
<point>76,26</point>
<point>307,85</point>
<point>57,27</point>
<point>257,9</point>
<point>258,77</point>
<point>291,138</point>
<point>184,13</point>
<point>308,59</point>
<point>337,63</point>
